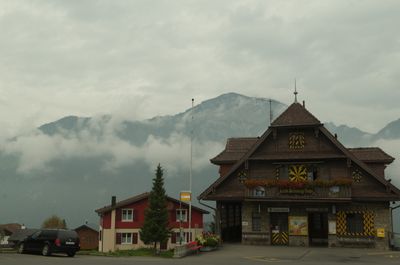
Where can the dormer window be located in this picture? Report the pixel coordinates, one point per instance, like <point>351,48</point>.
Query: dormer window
<point>259,191</point>
<point>127,215</point>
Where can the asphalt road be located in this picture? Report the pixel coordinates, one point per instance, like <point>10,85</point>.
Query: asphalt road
<point>229,255</point>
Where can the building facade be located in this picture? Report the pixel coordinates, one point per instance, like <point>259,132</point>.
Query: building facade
<point>120,223</point>
<point>298,185</point>
<point>88,236</point>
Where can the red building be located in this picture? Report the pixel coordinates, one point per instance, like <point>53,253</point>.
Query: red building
<point>121,221</point>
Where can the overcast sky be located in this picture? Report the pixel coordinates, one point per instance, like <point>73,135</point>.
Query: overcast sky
<point>144,58</point>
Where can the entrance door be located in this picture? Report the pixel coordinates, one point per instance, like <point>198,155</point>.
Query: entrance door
<point>231,222</point>
<point>279,229</point>
<point>318,229</point>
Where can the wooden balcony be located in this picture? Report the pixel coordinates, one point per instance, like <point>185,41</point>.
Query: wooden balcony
<point>333,192</point>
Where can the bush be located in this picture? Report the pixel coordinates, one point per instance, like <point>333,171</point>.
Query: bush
<point>208,240</point>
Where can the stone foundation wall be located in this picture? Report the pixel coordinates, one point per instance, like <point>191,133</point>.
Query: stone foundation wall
<point>381,220</point>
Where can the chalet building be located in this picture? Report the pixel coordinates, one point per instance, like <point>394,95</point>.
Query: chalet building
<point>297,185</point>
<point>120,223</point>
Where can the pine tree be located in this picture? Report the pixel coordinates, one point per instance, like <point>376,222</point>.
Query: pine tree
<point>155,227</point>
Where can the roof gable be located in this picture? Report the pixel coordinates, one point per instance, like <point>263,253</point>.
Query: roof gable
<point>296,115</point>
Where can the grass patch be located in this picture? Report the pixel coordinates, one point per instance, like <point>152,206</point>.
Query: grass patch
<point>141,252</point>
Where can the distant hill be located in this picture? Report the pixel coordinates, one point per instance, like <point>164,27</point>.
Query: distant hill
<point>390,131</point>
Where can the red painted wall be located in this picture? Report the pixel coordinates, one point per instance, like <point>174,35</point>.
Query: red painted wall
<point>138,212</point>
<point>138,215</point>
<point>105,221</point>
<point>197,218</point>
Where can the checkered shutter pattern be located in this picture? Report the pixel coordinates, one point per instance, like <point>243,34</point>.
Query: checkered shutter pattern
<point>368,223</point>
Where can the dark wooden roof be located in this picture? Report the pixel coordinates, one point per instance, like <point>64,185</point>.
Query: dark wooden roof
<point>295,115</point>
<point>235,148</point>
<point>92,227</point>
<point>12,227</point>
<point>138,198</point>
<point>371,155</point>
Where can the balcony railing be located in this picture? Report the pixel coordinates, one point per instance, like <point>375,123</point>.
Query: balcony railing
<point>304,192</point>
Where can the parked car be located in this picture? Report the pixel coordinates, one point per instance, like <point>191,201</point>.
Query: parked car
<point>48,241</point>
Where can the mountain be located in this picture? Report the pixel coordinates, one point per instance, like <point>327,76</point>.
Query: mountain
<point>390,131</point>
<point>227,114</point>
<point>350,136</point>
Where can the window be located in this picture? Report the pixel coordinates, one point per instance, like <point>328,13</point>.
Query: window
<point>181,215</point>
<point>127,215</point>
<point>256,222</point>
<point>126,238</point>
<point>259,191</point>
<point>178,239</point>
<point>355,223</point>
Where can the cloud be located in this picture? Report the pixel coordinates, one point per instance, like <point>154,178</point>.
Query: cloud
<point>392,147</point>
<point>37,150</point>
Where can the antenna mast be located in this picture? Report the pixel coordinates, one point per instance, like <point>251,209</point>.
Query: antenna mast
<point>270,111</point>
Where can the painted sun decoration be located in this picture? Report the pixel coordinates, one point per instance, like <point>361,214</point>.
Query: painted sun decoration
<point>296,141</point>
<point>297,173</point>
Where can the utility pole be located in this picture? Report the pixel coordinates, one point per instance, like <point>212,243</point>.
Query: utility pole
<point>190,173</point>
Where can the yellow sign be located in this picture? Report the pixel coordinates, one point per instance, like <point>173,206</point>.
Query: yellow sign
<point>380,232</point>
<point>186,196</point>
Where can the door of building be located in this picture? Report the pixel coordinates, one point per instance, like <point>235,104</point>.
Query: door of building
<point>279,229</point>
<point>318,229</point>
<point>231,222</point>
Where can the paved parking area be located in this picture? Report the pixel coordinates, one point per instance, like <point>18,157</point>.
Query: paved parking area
<point>230,255</point>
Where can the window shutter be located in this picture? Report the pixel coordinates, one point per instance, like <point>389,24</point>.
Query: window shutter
<point>118,238</point>
<point>173,238</point>
<point>173,215</point>
<point>187,237</point>
<point>118,215</point>
<point>134,238</point>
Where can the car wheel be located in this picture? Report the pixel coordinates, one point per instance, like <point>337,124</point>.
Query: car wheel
<point>46,250</point>
<point>21,248</point>
<point>71,253</point>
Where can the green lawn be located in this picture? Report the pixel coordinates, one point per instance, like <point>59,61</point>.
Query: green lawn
<point>143,252</point>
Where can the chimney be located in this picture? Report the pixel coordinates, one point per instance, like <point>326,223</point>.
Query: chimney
<point>336,136</point>
<point>113,200</point>
<point>304,104</point>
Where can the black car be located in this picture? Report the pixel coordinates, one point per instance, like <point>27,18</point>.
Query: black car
<point>49,241</point>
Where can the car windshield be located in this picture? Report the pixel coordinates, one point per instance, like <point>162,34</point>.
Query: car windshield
<point>36,234</point>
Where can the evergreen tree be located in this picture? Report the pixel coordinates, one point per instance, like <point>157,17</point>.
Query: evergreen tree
<point>155,227</point>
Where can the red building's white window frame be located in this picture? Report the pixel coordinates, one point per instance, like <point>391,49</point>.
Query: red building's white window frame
<point>124,215</point>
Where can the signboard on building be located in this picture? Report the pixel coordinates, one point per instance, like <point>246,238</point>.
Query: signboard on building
<point>380,232</point>
<point>298,225</point>
<point>185,196</point>
<point>332,227</point>
<point>278,210</point>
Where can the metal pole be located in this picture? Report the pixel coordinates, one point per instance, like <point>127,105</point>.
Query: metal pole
<point>190,173</point>
<point>180,223</point>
